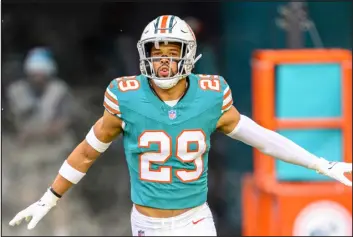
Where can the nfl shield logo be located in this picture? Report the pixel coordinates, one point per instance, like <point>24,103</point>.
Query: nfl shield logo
<point>172,114</point>
<point>141,233</point>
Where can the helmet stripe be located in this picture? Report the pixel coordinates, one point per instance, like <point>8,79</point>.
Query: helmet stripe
<point>171,24</point>
<point>164,23</point>
<point>156,26</point>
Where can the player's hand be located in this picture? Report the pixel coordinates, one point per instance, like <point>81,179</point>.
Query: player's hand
<point>35,212</point>
<point>335,170</point>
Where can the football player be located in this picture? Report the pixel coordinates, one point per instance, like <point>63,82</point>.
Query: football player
<point>166,116</point>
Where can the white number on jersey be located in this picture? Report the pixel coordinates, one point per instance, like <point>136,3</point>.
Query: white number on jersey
<point>208,82</point>
<point>128,84</point>
<point>183,153</point>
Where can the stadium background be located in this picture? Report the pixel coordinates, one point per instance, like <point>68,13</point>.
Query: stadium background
<point>93,43</point>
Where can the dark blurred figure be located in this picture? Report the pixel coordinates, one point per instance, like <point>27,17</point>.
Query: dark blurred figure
<point>40,103</point>
<point>42,110</point>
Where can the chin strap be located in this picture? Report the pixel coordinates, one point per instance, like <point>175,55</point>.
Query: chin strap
<point>197,58</point>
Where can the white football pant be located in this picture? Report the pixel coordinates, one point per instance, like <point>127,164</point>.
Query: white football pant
<point>195,222</point>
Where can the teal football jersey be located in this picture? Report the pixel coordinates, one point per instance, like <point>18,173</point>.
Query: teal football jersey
<point>167,147</point>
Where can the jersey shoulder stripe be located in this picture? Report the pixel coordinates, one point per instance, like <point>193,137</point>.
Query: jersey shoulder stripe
<point>117,94</point>
<point>227,96</point>
<point>227,99</point>
<point>216,83</point>
<point>111,102</point>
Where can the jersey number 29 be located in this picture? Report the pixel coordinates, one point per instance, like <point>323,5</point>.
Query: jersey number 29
<point>183,153</point>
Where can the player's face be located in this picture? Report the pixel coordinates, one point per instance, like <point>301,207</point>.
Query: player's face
<point>162,65</point>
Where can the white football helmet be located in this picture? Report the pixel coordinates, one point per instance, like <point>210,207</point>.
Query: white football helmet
<point>166,29</point>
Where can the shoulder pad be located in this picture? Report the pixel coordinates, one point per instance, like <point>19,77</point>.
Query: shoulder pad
<point>219,84</point>
<point>116,89</point>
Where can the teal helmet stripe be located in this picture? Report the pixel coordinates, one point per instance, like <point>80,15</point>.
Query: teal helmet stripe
<point>171,24</point>
<point>156,27</point>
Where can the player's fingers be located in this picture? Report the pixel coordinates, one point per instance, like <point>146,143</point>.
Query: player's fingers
<point>18,218</point>
<point>35,221</point>
<point>343,179</point>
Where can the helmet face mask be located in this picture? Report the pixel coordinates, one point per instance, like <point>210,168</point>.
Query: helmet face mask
<point>178,32</point>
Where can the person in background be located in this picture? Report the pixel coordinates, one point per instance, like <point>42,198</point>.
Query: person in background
<point>42,110</point>
<point>39,102</point>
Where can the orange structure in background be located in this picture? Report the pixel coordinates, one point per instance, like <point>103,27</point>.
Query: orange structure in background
<point>271,207</point>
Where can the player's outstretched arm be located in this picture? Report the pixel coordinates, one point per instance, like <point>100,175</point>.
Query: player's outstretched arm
<point>242,128</point>
<point>105,130</point>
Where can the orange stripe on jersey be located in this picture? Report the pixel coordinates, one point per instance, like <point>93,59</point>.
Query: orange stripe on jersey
<point>227,94</point>
<point>227,105</point>
<point>111,109</point>
<point>111,98</point>
<point>164,23</point>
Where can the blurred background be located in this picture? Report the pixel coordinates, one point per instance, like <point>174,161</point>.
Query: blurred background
<point>58,58</point>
